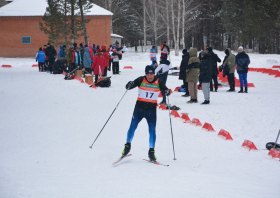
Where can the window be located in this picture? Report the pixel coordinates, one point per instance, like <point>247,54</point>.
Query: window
<point>26,40</point>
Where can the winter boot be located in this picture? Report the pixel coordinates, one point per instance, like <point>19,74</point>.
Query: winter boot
<point>151,155</point>
<point>194,100</point>
<point>127,148</point>
<point>246,90</point>
<point>206,102</point>
<point>190,101</point>
<point>163,102</point>
<point>241,90</point>
<point>185,95</point>
<point>231,90</point>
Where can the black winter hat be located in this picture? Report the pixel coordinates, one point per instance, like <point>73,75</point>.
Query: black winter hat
<point>64,46</point>
<point>40,49</point>
<point>48,44</point>
<point>227,52</point>
<point>153,47</point>
<point>184,51</point>
<point>204,54</point>
<point>149,69</point>
<point>86,45</point>
<point>81,45</point>
<point>75,45</point>
<point>209,49</point>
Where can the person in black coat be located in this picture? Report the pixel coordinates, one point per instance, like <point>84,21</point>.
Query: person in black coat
<point>51,54</point>
<point>214,59</point>
<point>205,75</point>
<point>183,67</point>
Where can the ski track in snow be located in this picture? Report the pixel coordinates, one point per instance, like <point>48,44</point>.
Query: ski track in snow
<point>48,124</point>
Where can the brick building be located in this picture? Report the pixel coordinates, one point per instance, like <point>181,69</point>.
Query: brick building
<point>20,35</point>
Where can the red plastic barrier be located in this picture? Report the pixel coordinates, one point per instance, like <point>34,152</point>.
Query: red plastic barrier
<point>177,88</point>
<point>82,81</point>
<point>34,65</point>
<point>251,85</point>
<point>170,91</point>
<point>274,153</point>
<point>260,70</point>
<point>266,71</point>
<point>208,127</point>
<point>163,107</point>
<point>249,144</point>
<point>128,67</point>
<point>273,72</point>
<point>93,86</point>
<point>196,122</point>
<point>186,118</point>
<point>7,66</point>
<point>276,66</point>
<point>252,69</point>
<point>277,75</point>
<point>89,83</point>
<point>64,73</point>
<point>175,113</point>
<point>76,78</point>
<point>225,134</point>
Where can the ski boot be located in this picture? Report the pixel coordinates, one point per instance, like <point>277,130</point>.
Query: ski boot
<point>127,148</point>
<point>151,155</point>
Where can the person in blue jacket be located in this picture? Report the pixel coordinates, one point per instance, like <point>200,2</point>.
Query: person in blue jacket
<point>153,55</point>
<point>87,60</point>
<point>61,52</point>
<point>242,61</point>
<point>40,57</point>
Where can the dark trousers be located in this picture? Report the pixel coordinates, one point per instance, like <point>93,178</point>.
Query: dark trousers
<point>47,65</point>
<point>51,63</point>
<point>105,71</point>
<point>186,86</point>
<point>110,63</point>
<point>215,79</point>
<point>72,66</point>
<point>138,115</point>
<point>89,70</point>
<point>115,67</point>
<point>231,81</point>
<point>95,78</point>
<point>41,66</point>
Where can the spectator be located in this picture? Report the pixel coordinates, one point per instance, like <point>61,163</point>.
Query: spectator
<point>40,57</point>
<point>106,55</point>
<point>205,75</point>
<point>82,51</point>
<point>214,59</point>
<point>46,58</point>
<point>115,58</point>
<point>71,58</point>
<point>229,65</point>
<point>87,60</point>
<point>192,75</point>
<point>78,57</point>
<point>62,53</point>
<point>242,61</point>
<point>98,65</point>
<point>183,67</point>
<point>51,54</point>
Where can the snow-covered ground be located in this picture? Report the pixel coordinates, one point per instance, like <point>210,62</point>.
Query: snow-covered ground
<point>48,124</point>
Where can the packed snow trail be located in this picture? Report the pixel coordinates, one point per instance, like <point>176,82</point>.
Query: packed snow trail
<point>47,124</point>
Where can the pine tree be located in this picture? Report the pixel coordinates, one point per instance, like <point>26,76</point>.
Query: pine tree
<point>53,24</point>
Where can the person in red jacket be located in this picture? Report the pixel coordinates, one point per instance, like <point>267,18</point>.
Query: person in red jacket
<point>106,55</point>
<point>98,65</point>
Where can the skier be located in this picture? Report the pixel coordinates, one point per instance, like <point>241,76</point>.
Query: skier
<point>162,73</point>
<point>149,88</point>
<point>153,55</point>
<point>164,49</point>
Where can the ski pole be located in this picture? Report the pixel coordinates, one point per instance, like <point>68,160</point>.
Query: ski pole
<point>171,127</point>
<point>276,139</point>
<point>108,119</point>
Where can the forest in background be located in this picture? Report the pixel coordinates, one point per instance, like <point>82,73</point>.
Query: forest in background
<point>254,24</point>
<point>221,24</point>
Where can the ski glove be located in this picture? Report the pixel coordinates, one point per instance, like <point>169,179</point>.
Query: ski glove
<point>167,92</point>
<point>129,84</point>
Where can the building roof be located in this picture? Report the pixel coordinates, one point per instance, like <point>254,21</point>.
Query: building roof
<point>116,35</point>
<point>38,8</point>
<point>3,2</point>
